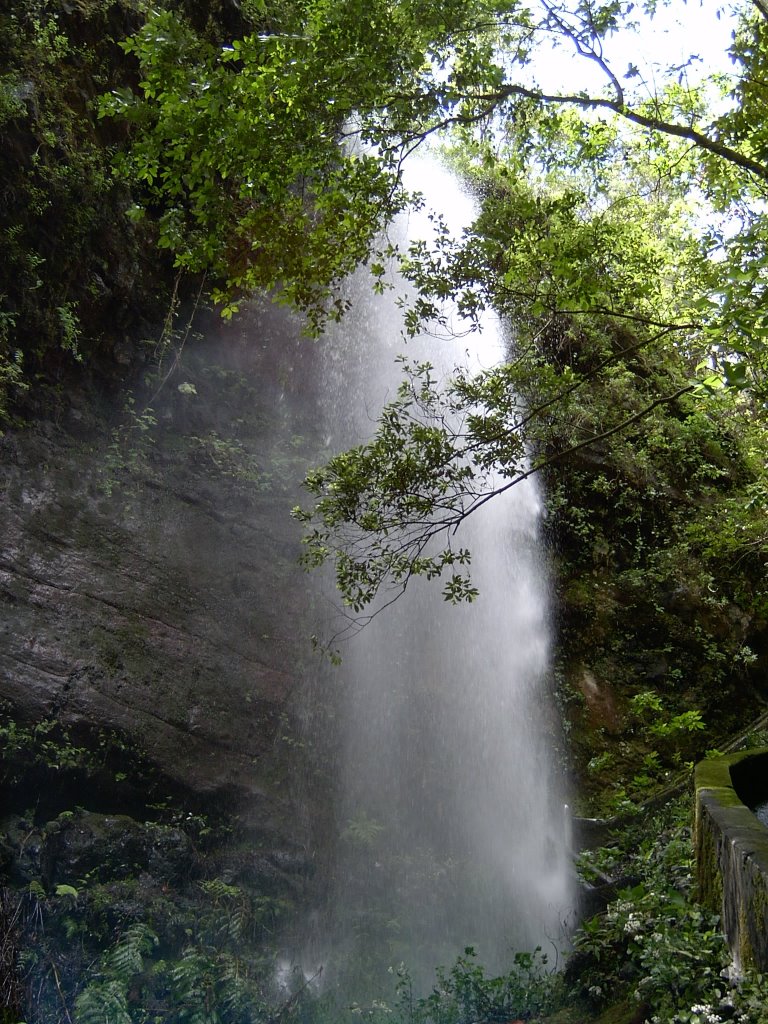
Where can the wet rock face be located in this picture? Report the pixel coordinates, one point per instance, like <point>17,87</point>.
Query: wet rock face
<point>86,845</point>
<point>83,849</point>
<point>148,578</point>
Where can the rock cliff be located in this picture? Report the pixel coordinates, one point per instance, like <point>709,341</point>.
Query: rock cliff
<point>149,577</point>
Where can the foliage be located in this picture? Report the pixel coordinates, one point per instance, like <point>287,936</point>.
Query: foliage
<point>585,242</point>
<point>130,447</point>
<point>380,503</point>
<point>79,275</point>
<point>461,994</point>
<point>649,601</point>
<point>654,944</point>
<point>649,709</point>
<point>43,743</point>
<point>11,990</point>
<point>234,122</point>
<point>653,485</point>
<point>671,954</point>
<point>204,985</point>
<point>609,408</point>
<point>395,73</point>
<point>363,830</point>
<point>63,261</point>
<point>300,212</point>
<point>28,749</point>
<point>465,993</point>
<point>247,136</point>
<point>639,372</point>
<point>131,950</point>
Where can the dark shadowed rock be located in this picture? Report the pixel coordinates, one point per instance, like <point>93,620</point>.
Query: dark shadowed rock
<point>113,846</point>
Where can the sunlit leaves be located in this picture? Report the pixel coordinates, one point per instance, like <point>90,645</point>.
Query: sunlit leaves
<point>237,147</point>
<point>608,223</point>
<point>240,148</point>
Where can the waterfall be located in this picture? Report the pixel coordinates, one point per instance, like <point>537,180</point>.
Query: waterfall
<point>449,810</point>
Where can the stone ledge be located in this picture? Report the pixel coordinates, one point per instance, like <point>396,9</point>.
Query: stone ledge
<point>732,853</point>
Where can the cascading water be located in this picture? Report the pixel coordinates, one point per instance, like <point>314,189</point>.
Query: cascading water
<point>449,809</point>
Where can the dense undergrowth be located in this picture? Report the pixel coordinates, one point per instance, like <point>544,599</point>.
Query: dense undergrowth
<point>108,919</point>
<point>657,535</point>
<point>126,946</point>
<point>84,287</point>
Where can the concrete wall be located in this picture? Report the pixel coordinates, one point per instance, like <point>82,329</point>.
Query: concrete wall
<point>732,851</point>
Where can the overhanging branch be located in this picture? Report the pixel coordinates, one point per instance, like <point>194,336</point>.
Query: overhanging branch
<point>559,456</point>
<point>657,124</point>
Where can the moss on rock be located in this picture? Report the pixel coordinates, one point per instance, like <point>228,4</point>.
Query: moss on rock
<point>731,847</point>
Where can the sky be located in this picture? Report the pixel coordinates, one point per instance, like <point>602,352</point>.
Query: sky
<point>669,38</point>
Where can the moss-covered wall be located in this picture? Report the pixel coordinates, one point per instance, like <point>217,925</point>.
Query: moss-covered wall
<point>732,855</point>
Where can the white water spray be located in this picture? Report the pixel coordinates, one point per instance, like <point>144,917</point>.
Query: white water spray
<point>448,807</point>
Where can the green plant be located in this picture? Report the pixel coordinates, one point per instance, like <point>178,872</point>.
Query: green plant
<point>465,993</point>
<point>45,742</point>
<point>218,976</point>
<point>70,329</point>
<point>103,1002</point>
<point>229,457</point>
<point>648,708</point>
<point>56,283</point>
<point>363,830</point>
<point>667,953</point>
<point>602,761</point>
<point>654,945</point>
<point>128,454</point>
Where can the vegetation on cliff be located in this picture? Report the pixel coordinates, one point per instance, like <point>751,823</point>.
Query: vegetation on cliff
<point>152,155</point>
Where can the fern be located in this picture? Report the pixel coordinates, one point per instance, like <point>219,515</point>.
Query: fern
<point>192,988</point>
<point>238,921</point>
<point>127,958</point>
<point>215,988</point>
<point>362,830</point>
<point>218,889</point>
<point>236,994</point>
<point>103,1002</point>
<point>36,889</point>
<point>267,909</point>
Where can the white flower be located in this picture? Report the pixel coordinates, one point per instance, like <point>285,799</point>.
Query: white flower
<point>706,1013</point>
<point>615,910</point>
<point>633,924</point>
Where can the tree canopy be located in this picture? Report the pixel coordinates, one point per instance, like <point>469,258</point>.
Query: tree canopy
<point>610,224</point>
<point>622,216</point>
<point>239,143</point>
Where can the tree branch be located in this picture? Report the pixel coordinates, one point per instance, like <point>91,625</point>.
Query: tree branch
<point>558,456</point>
<point>657,124</point>
<point>584,49</point>
<point>614,357</point>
